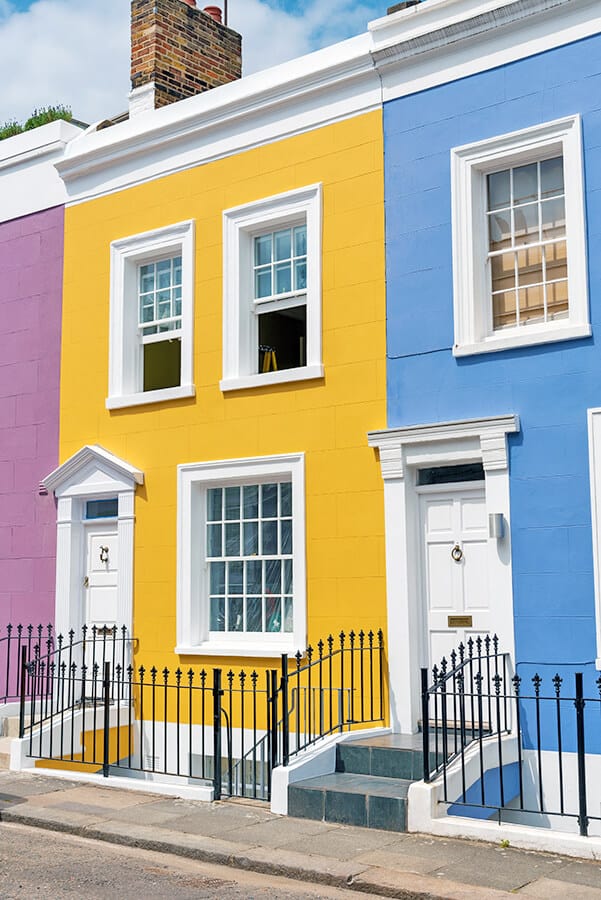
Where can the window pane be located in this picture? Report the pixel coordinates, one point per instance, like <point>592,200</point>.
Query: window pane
<point>283,244</point>
<point>162,364</point>
<point>283,278</point>
<point>557,300</point>
<point>251,501</point>
<point>232,539</point>
<point>164,277</point>
<point>285,498</point>
<point>556,261</point>
<point>254,614</point>
<point>526,223</point>
<point>273,576</point>
<point>177,270</point>
<point>500,230</point>
<point>102,509</point>
<point>286,536</point>
<point>532,303</point>
<point>235,576</point>
<point>263,283</point>
<point>254,577</point>
<point>300,276</point>
<point>235,614</point>
<point>269,501</point>
<point>217,614</point>
<point>269,532</point>
<point>551,177</point>
<point>503,272</point>
<point>232,503</point>
<point>525,183</point>
<point>263,250</point>
<point>287,576</point>
<point>300,240</point>
<point>273,614</point>
<point>214,504</point>
<point>288,617</point>
<point>217,570</point>
<point>214,540</point>
<point>504,309</point>
<point>251,538</point>
<point>553,216</point>
<point>499,193</point>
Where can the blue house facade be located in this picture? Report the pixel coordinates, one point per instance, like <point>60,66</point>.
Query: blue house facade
<point>492,123</point>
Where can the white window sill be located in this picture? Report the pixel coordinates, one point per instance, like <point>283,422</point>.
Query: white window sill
<point>252,649</point>
<point>145,397</point>
<point>528,336</point>
<point>304,373</point>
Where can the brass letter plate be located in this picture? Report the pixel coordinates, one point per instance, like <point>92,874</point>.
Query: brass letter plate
<point>459,621</point>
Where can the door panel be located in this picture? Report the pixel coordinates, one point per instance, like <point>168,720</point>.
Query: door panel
<point>454,518</point>
<point>101,572</point>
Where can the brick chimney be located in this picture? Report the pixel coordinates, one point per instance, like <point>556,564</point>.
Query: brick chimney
<point>177,51</point>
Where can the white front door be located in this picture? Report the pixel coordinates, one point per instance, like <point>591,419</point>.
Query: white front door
<point>456,590</point>
<point>100,581</point>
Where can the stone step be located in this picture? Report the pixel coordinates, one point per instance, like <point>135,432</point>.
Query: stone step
<point>9,726</point>
<point>387,756</point>
<point>350,799</point>
<point>5,743</point>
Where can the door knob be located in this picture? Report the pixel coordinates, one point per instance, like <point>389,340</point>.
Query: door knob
<point>457,553</point>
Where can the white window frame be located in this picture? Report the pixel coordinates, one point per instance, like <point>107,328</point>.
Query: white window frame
<point>125,367</point>
<point>193,479</point>
<point>240,330</point>
<point>472,302</point>
<point>594,451</point>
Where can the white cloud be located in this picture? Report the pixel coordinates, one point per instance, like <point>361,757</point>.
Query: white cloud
<point>77,53</point>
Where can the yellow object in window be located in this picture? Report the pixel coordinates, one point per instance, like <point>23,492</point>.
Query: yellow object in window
<point>269,359</point>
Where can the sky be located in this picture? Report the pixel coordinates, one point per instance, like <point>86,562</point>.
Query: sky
<point>76,52</point>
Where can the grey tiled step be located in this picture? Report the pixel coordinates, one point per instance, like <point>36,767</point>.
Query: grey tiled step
<point>352,800</point>
<point>387,756</point>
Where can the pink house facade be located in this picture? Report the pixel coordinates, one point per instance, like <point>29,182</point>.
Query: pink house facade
<point>31,268</point>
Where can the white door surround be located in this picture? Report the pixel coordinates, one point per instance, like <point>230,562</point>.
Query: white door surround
<point>91,474</point>
<point>402,452</point>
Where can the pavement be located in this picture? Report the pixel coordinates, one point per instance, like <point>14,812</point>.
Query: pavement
<point>248,836</point>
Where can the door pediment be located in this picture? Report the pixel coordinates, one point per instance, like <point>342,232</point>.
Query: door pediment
<point>92,470</point>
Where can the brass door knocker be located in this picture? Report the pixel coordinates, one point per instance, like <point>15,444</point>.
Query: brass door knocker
<point>104,554</point>
<point>457,553</point>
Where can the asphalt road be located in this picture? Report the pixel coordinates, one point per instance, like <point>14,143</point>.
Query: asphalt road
<point>42,864</point>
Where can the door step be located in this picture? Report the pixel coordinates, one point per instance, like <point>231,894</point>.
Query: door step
<point>369,787</point>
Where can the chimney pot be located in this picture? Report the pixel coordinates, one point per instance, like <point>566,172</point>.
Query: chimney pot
<point>191,3</point>
<point>213,11</point>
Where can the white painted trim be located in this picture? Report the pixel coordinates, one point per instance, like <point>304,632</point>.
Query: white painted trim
<point>34,145</point>
<point>141,99</point>
<point>240,331</point>
<point>192,607</point>
<point>594,453</point>
<point>446,40</point>
<point>125,366</point>
<point>289,99</point>
<point>402,451</point>
<point>91,473</point>
<point>306,373</point>
<point>471,288</point>
<point>145,397</point>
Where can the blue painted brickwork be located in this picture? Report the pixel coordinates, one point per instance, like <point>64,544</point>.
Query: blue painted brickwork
<point>549,387</point>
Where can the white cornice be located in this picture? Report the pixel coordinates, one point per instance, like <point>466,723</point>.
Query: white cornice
<point>439,41</point>
<point>306,93</point>
<point>95,454</point>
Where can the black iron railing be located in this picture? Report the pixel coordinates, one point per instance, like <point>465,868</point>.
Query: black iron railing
<point>232,729</point>
<point>13,638</point>
<point>518,752</point>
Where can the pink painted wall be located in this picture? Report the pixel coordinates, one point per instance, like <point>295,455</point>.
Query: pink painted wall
<point>31,268</point>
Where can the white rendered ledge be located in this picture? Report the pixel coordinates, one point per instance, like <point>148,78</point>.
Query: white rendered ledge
<point>145,397</point>
<point>304,373</point>
<point>257,650</point>
<point>525,338</point>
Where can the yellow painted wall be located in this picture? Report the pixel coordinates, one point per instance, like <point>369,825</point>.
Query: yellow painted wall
<point>327,419</point>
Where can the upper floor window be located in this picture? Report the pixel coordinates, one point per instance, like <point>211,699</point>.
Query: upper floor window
<point>272,290</point>
<point>519,251</point>
<point>152,285</point>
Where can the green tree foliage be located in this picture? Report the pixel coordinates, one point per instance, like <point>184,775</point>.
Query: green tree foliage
<point>38,117</point>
